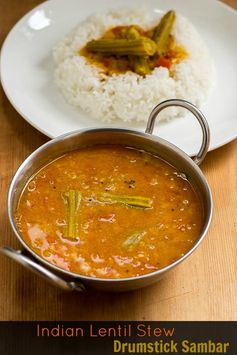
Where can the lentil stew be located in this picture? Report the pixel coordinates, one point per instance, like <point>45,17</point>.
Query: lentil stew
<point>109,211</point>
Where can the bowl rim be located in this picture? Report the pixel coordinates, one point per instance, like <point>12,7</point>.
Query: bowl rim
<point>77,276</point>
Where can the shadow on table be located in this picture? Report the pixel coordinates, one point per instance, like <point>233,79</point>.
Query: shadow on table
<point>31,298</point>
<point>99,305</point>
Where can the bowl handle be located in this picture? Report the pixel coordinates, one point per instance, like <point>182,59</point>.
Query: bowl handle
<point>196,112</point>
<point>40,270</point>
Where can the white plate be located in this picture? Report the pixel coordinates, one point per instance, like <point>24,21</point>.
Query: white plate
<point>27,68</point>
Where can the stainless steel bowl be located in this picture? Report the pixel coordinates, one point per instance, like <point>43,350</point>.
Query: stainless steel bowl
<point>146,141</point>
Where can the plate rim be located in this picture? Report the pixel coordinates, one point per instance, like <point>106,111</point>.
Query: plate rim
<point>44,131</point>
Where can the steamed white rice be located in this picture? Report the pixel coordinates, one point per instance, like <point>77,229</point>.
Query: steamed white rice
<point>130,97</point>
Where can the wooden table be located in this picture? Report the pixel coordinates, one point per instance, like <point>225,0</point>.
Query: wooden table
<point>204,287</point>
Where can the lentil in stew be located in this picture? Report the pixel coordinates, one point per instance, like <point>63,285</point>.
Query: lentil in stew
<point>109,211</point>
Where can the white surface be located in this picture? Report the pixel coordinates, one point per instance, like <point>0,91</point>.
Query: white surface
<point>27,68</point>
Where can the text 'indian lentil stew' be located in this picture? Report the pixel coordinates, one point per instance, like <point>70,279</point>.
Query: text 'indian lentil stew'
<point>109,211</point>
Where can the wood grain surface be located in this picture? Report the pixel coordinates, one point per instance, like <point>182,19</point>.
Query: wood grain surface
<point>204,287</point>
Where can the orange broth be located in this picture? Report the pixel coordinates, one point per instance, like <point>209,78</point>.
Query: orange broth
<point>105,231</point>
